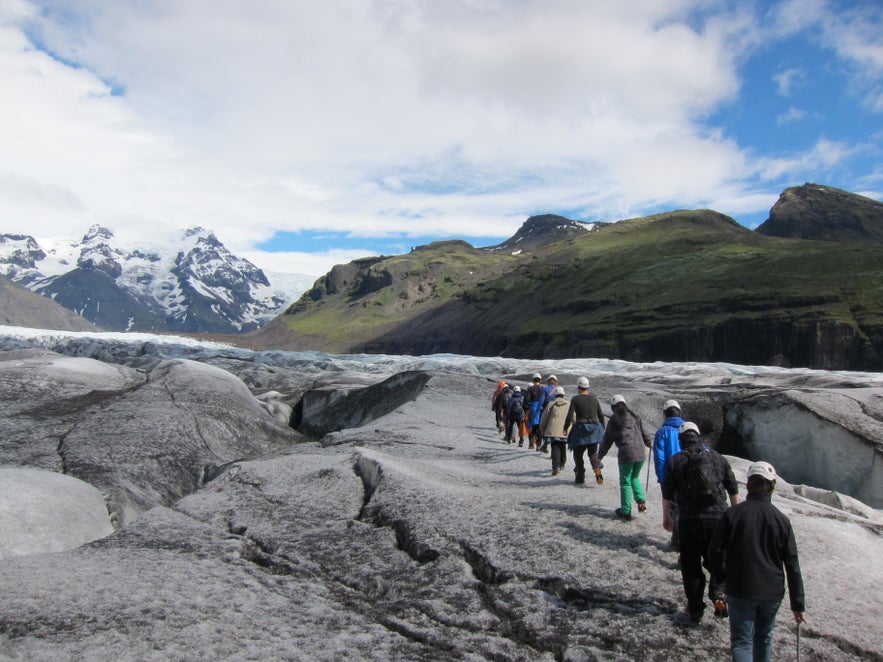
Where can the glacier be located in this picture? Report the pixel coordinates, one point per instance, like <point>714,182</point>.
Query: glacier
<point>413,531</point>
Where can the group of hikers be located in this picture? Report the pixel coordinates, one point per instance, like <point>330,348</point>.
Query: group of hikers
<point>747,547</point>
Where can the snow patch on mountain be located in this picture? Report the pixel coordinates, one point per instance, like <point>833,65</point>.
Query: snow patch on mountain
<point>171,278</point>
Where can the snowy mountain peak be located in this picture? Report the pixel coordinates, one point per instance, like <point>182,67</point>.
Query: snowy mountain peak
<point>97,233</point>
<point>197,230</point>
<point>19,253</point>
<point>194,284</point>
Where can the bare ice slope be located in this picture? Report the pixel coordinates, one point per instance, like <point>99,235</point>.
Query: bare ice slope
<point>418,536</point>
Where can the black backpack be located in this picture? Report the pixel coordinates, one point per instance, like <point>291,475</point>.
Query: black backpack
<point>517,406</point>
<point>703,481</point>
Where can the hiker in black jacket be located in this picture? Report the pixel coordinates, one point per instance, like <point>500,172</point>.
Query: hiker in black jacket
<point>699,477</point>
<point>751,546</point>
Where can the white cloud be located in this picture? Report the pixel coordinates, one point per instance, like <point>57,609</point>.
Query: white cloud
<point>300,262</point>
<point>791,115</point>
<point>785,80</point>
<point>823,157</point>
<point>853,32</point>
<point>366,117</point>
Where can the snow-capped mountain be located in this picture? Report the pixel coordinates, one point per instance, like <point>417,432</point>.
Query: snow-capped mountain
<point>193,284</point>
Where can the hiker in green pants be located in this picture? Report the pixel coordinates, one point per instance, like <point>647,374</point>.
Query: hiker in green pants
<point>626,431</point>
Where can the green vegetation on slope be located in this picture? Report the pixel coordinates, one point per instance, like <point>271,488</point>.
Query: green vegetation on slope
<point>391,291</point>
<point>674,286</point>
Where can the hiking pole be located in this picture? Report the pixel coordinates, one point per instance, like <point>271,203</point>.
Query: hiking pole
<point>649,460</point>
<point>798,641</point>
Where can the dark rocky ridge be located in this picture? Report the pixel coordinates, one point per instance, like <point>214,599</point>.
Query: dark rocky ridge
<point>813,211</point>
<point>682,286</point>
<point>542,230</point>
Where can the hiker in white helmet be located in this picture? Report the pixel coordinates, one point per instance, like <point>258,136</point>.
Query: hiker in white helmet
<point>754,552</point>
<point>626,430</point>
<point>700,478</point>
<point>534,401</point>
<point>585,422</point>
<point>665,445</point>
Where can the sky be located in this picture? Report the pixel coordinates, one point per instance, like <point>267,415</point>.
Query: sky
<point>307,133</point>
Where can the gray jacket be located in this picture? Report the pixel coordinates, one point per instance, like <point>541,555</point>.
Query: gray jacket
<point>625,430</point>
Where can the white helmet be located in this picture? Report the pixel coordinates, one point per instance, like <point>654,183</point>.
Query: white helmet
<point>671,404</point>
<point>559,391</point>
<point>518,389</point>
<point>583,382</point>
<point>552,378</point>
<point>764,469</point>
<point>689,426</point>
<point>616,400</point>
<point>537,376</point>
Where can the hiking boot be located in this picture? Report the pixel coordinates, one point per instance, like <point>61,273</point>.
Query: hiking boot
<point>555,472</point>
<point>544,449</point>
<point>642,506</point>
<point>720,608</point>
<point>599,478</point>
<point>521,443</point>
<point>623,515</point>
<point>696,616</point>
<point>580,477</point>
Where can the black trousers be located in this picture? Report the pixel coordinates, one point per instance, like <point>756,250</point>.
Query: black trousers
<point>559,453</point>
<point>579,463</point>
<point>694,538</point>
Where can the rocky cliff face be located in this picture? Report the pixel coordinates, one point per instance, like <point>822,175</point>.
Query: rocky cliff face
<point>813,211</point>
<point>542,230</point>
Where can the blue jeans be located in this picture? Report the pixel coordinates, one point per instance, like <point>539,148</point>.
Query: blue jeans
<point>751,628</point>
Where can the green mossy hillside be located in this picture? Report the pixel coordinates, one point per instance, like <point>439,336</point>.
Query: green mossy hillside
<point>683,285</point>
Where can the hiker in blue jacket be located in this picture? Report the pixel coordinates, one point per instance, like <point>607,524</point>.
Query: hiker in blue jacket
<point>665,445</point>
<point>534,401</point>
<point>665,442</point>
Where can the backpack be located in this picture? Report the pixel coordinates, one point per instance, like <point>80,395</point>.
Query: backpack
<point>517,407</point>
<point>503,401</point>
<point>703,482</point>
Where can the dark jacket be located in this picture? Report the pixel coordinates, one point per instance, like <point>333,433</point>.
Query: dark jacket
<point>751,545</point>
<point>516,397</point>
<point>677,476</point>
<point>584,408</point>
<point>625,430</point>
